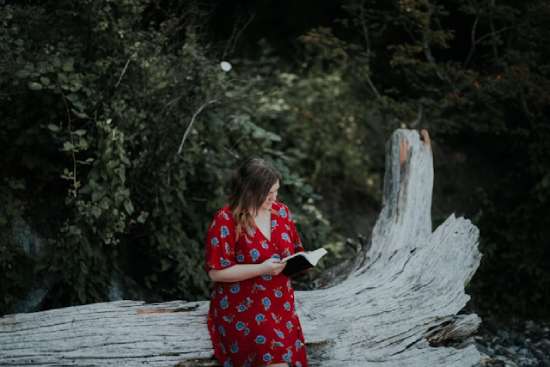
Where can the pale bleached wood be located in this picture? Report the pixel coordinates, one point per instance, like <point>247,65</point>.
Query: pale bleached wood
<point>397,304</point>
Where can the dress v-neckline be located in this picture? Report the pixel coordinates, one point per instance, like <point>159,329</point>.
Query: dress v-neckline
<point>269,226</point>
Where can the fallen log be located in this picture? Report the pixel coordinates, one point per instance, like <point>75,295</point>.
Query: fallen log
<point>397,304</point>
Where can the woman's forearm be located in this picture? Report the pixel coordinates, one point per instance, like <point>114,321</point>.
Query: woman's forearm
<point>237,272</point>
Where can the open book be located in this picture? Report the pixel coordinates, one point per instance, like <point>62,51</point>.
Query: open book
<point>301,261</point>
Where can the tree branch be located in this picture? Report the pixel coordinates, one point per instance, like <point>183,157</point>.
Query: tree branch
<point>122,73</point>
<point>192,122</point>
<point>473,40</point>
<point>235,35</point>
<point>368,49</point>
<point>492,25</point>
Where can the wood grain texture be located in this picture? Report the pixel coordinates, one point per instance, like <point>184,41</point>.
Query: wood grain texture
<point>397,304</point>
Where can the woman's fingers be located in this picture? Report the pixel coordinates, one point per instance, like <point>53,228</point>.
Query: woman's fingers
<point>279,268</point>
<point>275,266</point>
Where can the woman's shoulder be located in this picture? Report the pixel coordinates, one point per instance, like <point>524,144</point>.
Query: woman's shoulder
<point>281,209</point>
<point>224,213</point>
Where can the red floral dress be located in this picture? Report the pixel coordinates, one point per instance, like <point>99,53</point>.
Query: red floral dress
<point>253,322</point>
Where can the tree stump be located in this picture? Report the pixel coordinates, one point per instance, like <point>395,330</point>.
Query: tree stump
<point>397,306</point>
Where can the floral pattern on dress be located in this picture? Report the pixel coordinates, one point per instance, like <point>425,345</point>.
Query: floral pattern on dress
<point>253,322</point>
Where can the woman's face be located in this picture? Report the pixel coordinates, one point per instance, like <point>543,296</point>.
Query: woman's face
<point>271,197</point>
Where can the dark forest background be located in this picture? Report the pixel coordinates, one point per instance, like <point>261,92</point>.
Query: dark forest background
<point>119,127</point>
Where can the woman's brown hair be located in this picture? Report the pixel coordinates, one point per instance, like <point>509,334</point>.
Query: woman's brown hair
<point>248,189</point>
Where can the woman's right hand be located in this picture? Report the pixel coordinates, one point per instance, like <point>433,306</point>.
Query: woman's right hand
<point>273,266</point>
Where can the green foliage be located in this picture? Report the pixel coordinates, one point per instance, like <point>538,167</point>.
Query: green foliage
<point>120,128</point>
<point>114,94</point>
<point>325,122</point>
<point>488,92</point>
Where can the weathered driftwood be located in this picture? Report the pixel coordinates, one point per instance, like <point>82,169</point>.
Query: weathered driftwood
<point>396,306</point>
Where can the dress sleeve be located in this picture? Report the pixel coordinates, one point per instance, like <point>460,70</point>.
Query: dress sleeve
<point>294,236</point>
<point>220,242</point>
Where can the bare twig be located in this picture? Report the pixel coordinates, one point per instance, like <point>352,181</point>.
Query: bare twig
<point>232,153</point>
<point>426,45</point>
<point>372,86</point>
<point>365,30</point>
<point>192,122</point>
<point>474,43</point>
<point>368,47</point>
<point>493,32</point>
<point>235,35</point>
<point>418,119</point>
<point>122,73</point>
<point>441,74</point>
<point>73,155</point>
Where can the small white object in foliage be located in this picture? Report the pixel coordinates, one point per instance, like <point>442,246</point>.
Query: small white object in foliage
<point>225,66</point>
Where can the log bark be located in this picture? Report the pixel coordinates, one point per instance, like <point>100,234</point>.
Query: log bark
<point>397,305</point>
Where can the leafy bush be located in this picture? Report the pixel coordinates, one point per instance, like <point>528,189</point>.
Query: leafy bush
<point>136,129</point>
<point>119,128</point>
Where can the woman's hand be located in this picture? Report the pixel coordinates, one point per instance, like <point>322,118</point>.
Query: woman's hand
<point>273,266</point>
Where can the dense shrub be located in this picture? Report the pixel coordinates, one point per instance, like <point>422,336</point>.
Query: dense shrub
<point>119,128</point>
<point>100,105</point>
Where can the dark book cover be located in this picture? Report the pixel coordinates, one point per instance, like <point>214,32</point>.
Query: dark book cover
<point>296,265</point>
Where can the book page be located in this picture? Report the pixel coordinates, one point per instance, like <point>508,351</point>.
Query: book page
<point>311,256</point>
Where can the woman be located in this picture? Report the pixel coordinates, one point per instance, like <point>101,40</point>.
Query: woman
<point>252,319</point>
